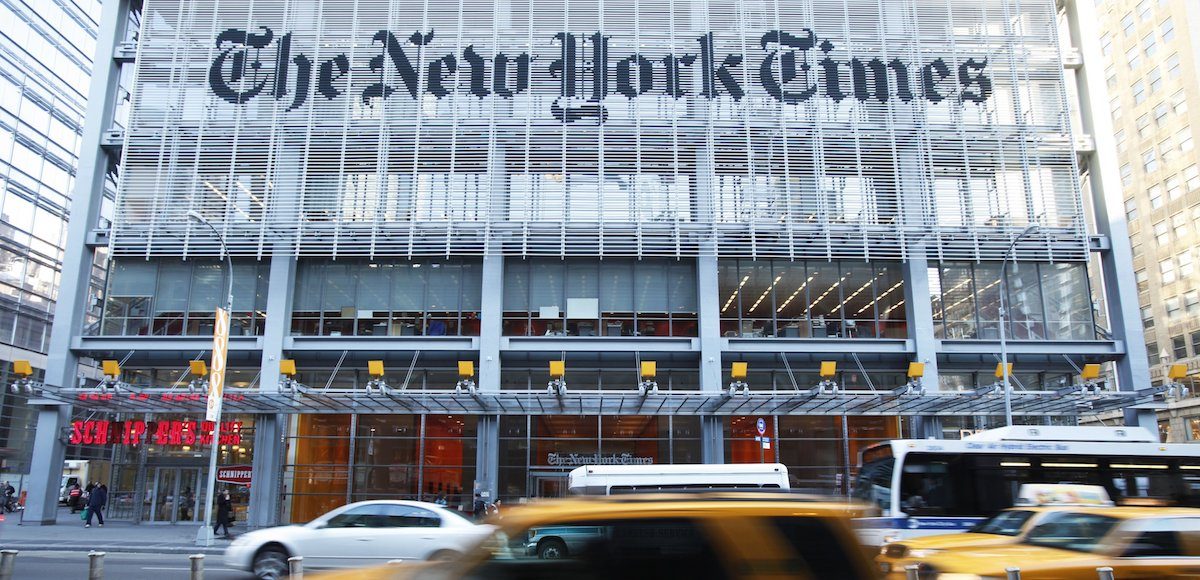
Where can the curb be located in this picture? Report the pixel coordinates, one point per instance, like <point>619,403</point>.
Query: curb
<point>124,549</point>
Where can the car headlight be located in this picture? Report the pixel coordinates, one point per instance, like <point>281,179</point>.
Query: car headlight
<point>923,553</point>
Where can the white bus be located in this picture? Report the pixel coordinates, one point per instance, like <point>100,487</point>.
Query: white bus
<point>937,486</point>
<point>615,479</point>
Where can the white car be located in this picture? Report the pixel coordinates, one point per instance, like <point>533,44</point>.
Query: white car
<point>360,534</point>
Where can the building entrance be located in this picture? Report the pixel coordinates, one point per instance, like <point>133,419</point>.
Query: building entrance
<point>173,495</point>
<point>548,484</point>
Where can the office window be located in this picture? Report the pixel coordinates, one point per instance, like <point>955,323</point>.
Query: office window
<point>1126,175</point>
<point>1152,353</point>
<point>1127,24</point>
<point>1179,102</point>
<point>1192,176</point>
<point>1148,318</point>
<point>1191,302</point>
<point>1160,233</point>
<point>1160,115</point>
<point>1133,57</point>
<point>1174,68</point>
<point>1186,268</point>
<point>1174,191</point>
<point>1120,139</point>
<point>1114,107</point>
<point>1143,125</point>
<point>1166,270</point>
<point>1179,347</point>
<point>1179,223</point>
<point>1195,336</point>
<point>1185,140</point>
<point>1143,9</point>
<point>1131,212</point>
<point>1155,77</point>
<point>1106,44</point>
<point>1139,93</point>
<point>1149,161</point>
<point>1168,29</point>
<point>1143,280</point>
<point>1149,44</point>
<point>166,297</point>
<point>1166,149</point>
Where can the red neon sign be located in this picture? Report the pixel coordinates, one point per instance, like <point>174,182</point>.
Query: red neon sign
<point>165,433</point>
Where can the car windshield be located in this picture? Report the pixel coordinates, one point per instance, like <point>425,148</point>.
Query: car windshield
<point>1071,531</point>
<point>1008,523</point>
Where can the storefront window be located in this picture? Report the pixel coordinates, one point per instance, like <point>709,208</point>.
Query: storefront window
<point>170,297</point>
<point>403,298</point>
<point>799,299</point>
<point>1045,301</point>
<point>618,297</point>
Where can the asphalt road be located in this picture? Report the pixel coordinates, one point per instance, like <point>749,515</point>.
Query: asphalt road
<point>118,566</point>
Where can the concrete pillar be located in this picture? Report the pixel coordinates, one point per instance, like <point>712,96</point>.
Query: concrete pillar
<point>712,430</point>
<point>62,364</point>
<point>1116,263</point>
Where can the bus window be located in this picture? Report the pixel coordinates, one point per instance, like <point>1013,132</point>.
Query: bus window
<point>874,483</point>
<point>926,486</point>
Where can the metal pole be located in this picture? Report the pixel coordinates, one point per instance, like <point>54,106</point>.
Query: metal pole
<point>296,568</point>
<point>8,559</point>
<point>912,572</point>
<point>1003,314</point>
<point>1105,573</point>
<point>210,492</point>
<point>197,561</point>
<point>1013,573</point>
<point>95,565</point>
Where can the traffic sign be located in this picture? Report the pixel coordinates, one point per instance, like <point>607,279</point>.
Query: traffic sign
<point>762,426</point>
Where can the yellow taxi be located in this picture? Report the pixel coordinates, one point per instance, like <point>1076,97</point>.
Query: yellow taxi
<point>1068,544</point>
<point>1010,526</point>
<point>651,537</point>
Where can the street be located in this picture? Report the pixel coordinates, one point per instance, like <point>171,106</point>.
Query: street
<point>32,565</point>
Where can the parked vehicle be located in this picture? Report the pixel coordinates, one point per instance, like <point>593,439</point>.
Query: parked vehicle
<point>614,479</point>
<point>650,537</point>
<point>358,534</point>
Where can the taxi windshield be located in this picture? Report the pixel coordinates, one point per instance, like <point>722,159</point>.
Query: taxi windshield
<point>1071,531</point>
<point>1008,523</point>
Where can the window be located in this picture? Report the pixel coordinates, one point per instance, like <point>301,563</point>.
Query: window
<point>1186,268</point>
<point>402,516</point>
<point>360,517</point>
<point>1126,175</point>
<point>1179,347</point>
<point>1195,336</point>
<point>1006,523</point>
<point>1191,302</point>
<point>1174,309</point>
<point>1149,161</point>
<point>1154,194</point>
<point>1152,353</point>
<point>1179,103</point>
<point>1127,24</point>
<point>1114,107</point>
<point>1150,44</point>
<point>1192,176</point>
<point>1160,115</point>
<point>1106,44</point>
<point>1174,68</point>
<point>1143,125</point>
<point>1160,233</point>
<point>1143,280</point>
<point>1185,140</point>
<point>1155,77</point>
<point>1174,191</point>
<point>1179,224</point>
<point>1166,149</point>
<point>1166,270</point>
<point>1120,138</point>
<point>1133,57</point>
<point>1168,29</point>
<point>1131,212</point>
<point>1147,317</point>
<point>1139,93</point>
<point>1144,7</point>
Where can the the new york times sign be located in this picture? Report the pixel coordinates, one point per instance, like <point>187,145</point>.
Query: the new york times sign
<point>792,67</point>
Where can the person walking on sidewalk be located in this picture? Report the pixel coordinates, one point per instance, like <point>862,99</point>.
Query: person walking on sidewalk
<point>224,511</point>
<point>75,497</point>
<point>96,502</point>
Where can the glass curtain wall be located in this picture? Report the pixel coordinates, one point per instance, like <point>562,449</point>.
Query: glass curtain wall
<point>615,297</point>
<point>337,459</point>
<point>172,297</point>
<point>1046,301</point>
<point>583,378</point>
<point>813,299</point>
<point>404,298</point>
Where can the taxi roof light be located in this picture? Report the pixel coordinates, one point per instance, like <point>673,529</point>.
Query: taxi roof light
<point>1040,494</point>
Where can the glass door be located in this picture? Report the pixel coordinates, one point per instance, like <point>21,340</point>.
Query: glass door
<point>548,485</point>
<point>186,508</point>
<point>161,491</point>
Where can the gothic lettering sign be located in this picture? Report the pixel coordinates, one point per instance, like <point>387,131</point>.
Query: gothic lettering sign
<point>790,66</point>
<point>163,433</point>
<point>577,459</point>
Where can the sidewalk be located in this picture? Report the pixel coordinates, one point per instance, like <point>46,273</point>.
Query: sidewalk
<point>70,535</point>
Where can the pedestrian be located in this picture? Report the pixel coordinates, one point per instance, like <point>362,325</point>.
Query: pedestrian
<point>95,504</point>
<point>224,513</point>
<point>441,499</point>
<point>479,510</point>
<point>75,497</point>
<point>494,511</point>
<point>9,493</point>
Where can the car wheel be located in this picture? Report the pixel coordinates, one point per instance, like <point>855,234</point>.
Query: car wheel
<point>552,549</point>
<point>270,563</point>
<point>444,556</point>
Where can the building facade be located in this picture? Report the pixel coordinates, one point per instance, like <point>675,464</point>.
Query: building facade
<point>825,192</point>
<point>46,52</point>
<point>1151,51</point>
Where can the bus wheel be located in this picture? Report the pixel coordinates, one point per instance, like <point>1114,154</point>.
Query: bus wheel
<point>552,549</point>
